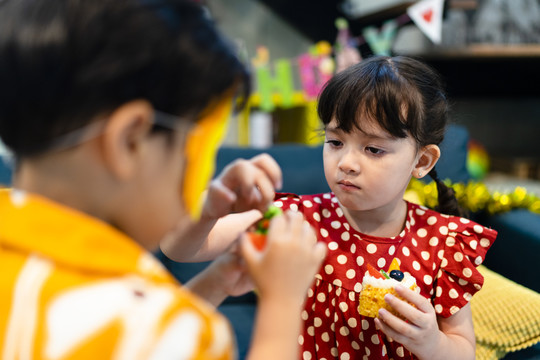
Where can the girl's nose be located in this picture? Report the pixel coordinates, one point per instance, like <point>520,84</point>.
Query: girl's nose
<point>349,162</point>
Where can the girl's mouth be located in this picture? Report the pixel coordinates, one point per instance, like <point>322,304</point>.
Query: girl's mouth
<point>347,185</point>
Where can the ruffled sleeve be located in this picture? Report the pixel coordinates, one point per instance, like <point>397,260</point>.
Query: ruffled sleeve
<point>458,279</point>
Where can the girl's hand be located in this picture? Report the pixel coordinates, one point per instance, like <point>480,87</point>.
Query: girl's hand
<point>243,185</point>
<point>285,268</point>
<point>421,334</point>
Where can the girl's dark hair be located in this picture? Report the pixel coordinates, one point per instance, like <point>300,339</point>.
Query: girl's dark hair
<point>406,98</point>
<point>64,62</point>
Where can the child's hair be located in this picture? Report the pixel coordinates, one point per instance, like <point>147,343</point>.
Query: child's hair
<point>65,62</point>
<point>406,98</point>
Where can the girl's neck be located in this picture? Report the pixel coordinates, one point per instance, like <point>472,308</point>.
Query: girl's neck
<point>381,222</point>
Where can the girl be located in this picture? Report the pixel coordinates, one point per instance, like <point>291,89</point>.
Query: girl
<point>383,119</point>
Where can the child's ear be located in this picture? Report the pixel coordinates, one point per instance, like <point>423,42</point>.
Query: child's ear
<point>124,137</point>
<point>427,158</point>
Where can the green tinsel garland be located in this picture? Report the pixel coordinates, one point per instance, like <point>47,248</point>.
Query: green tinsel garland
<point>476,197</point>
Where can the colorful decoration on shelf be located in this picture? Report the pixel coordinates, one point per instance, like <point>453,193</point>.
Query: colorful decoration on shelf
<point>317,66</point>
<point>477,160</point>
<point>475,197</point>
<point>427,15</point>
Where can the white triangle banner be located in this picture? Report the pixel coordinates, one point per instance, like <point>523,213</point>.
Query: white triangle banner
<point>427,15</point>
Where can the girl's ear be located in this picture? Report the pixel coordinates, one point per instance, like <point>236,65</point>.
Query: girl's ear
<point>427,158</point>
<point>124,137</point>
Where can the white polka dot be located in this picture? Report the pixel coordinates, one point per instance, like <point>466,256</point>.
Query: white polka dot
<point>324,232</point>
<point>317,200</point>
<point>342,259</point>
<point>458,257</point>
<point>327,312</point>
<point>484,242</point>
<point>352,322</point>
<point>310,292</point>
<point>467,296</point>
<point>440,254</point>
<point>438,308</point>
<point>326,213</point>
<point>294,207</point>
<point>464,220</point>
<point>473,244</point>
<point>371,248</point>
<point>317,322</point>
<point>462,282</point>
<point>405,250</point>
<point>444,262</point>
<point>414,242</point>
<point>355,345</point>
<point>421,232</point>
<point>325,337</point>
<point>453,310</point>
<point>439,291</point>
<point>304,315</point>
<point>311,331</point>
<point>467,272</point>
<point>428,279</point>
<point>337,282</point>
<point>381,262</point>
<point>345,236</point>
<point>478,229</point>
<point>307,355</point>
<point>317,217</point>
<point>361,336</point>
<point>425,255</point>
<point>400,352</point>
<point>375,339</point>
<point>431,220</point>
<point>344,331</point>
<point>301,340</point>
<point>443,230</point>
<point>333,245</point>
<point>365,325</point>
<point>357,287</point>
<point>321,297</point>
<point>343,306</point>
<point>345,356</point>
<point>334,351</point>
<point>307,203</point>
<point>416,265</point>
<point>360,260</point>
<point>346,226</point>
<point>420,212</point>
<point>329,269</point>
<point>339,212</point>
<point>278,204</point>
<point>478,260</point>
<point>392,250</point>
<point>433,241</point>
<point>453,294</point>
<point>335,224</point>
<point>350,274</point>
<point>353,248</point>
<point>352,296</point>
<point>452,226</point>
<point>450,241</point>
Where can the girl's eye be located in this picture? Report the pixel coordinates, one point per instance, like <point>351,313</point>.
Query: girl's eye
<point>333,142</point>
<point>374,150</point>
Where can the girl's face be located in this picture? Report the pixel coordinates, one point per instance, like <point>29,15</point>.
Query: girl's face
<point>368,170</point>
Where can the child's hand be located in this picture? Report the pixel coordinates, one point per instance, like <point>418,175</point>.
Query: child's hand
<point>225,276</point>
<point>285,268</point>
<point>243,185</point>
<point>421,334</point>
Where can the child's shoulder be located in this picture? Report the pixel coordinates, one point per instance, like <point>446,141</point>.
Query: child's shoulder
<point>301,202</point>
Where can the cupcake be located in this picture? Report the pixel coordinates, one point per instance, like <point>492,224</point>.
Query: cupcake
<point>376,284</point>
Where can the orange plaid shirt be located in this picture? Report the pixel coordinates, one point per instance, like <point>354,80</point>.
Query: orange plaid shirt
<point>73,287</point>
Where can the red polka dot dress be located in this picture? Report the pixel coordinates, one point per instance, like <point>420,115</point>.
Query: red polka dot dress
<point>440,251</point>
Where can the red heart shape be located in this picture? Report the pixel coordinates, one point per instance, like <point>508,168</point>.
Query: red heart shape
<point>427,15</point>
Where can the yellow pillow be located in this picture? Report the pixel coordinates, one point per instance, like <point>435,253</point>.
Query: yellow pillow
<point>506,316</point>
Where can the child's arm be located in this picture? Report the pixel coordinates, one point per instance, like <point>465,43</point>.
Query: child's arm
<point>282,273</point>
<point>426,335</point>
<point>244,188</point>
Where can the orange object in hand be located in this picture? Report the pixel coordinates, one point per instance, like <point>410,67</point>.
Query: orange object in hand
<point>258,237</point>
<point>258,240</point>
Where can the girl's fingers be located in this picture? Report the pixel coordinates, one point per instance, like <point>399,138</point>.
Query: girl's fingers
<point>415,298</point>
<point>271,169</point>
